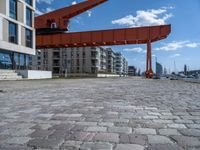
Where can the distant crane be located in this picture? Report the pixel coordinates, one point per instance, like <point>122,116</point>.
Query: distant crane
<point>52,27</point>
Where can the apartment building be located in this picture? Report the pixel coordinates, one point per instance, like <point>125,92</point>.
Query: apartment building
<point>132,70</point>
<point>110,57</point>
<point>67,61</point>
<point>82,61</point>
<point>17,33</point>
<point>121,64</point>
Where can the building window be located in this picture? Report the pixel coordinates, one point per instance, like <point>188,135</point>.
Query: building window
<point>6,60</point>
<point>13,9</point>
<point>28,17</point>
<point>29,2</point>
<point>29,39</point>
<point>13,33</point>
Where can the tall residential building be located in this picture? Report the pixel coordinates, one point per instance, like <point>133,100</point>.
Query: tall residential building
<point>159,69</point>
<point>121,64</point>
<point>78,61</point>
<point>17,33</point>
<point>66,61</point>
<point>110,54</point>
<point>132,70</point>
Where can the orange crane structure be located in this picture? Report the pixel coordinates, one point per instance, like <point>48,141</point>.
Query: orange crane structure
<point>52,27</point>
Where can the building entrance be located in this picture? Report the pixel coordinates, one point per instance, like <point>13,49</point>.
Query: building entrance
<point>13,60</point>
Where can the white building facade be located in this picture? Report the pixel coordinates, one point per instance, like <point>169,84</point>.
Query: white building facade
<point>121,64</point>
<point>82,61</point>
<point>62,61</point>
<point>17,33</point>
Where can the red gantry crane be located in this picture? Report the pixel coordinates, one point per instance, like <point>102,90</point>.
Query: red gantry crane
<point>52,27</point>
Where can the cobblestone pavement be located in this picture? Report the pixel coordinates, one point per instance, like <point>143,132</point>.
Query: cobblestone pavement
<point>99,114</point>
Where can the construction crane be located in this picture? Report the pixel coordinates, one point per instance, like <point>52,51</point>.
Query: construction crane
<point>52,27</point>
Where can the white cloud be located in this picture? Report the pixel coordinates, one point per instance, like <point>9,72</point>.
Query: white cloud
<point>74,3</point>
<point>38,12</point>
<point>136,49</point>
<point>146,18</point>
<point>89,13</point>
<point>193,45</point>
<point>175,55</point>
<point>45,1</point>
<point>175,45</point>
<point>48,9</point>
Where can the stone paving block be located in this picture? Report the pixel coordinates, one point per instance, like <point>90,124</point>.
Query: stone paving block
<point>68,115</point>
<point>164,147</point>
<point>144,131</point>
<point>24,132</point>
<point>169,132</point>
<point>193,126</point>
<point>45,115</point>
<point>154,113</point>
<point>171,117</point>
<point>182,121</point>
<point>124,139</point>
<point>2,124</point>
<point>129,147</point>
<point>150,117</point>
<point>79,128</point>
<point>118,120</point>
<point>129,116</point>
<point>120,130</point>
<point>42,126</point>
<point>71,145</point>
<point>106,124</point>
<point>107,137</point>
<point>3,139</point>
<point>82,136</point>
<point>194,148</point>
<point>90,119</point>
<point>13,147</point>
<point>157,139</point>
<point>186,141</point>
<point>57,134</point>
<point>177,126</point>
<point>163,121</point>
<point>41,133</point>
<point>138,139</point>
<point>45,143</point>
<point>96,146</point>
<point>96,129</point>
<point>150,108</point>
<point>190,132</point>
<point>153,125</point>
<point>87,123</point>
<point>65,127</point>
<point>18,140</point>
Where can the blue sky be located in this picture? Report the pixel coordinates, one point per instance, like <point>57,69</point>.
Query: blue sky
<point>182,46</point>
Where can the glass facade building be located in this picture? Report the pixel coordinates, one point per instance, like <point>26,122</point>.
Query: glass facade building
<point>17,39</point>
<point>12,60</point>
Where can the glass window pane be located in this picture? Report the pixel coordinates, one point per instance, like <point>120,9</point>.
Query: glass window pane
<point>5,60</point>
<point>28,17</point>
<point>29,39</point>
<point>29,2</point>
<point>13,33</point>
<point>13,9</point>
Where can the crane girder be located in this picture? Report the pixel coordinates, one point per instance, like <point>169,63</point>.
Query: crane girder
<point>140,35</point>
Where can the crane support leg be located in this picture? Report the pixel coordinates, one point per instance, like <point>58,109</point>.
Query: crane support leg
<point>149,70</point>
